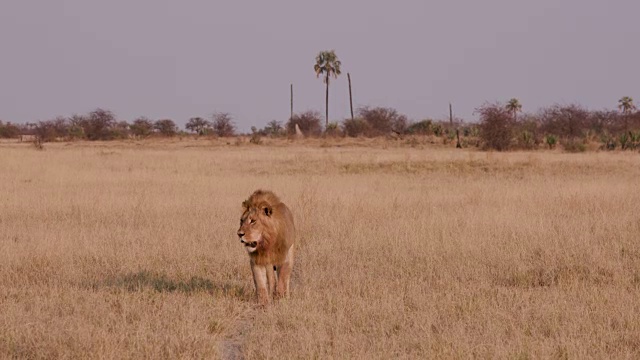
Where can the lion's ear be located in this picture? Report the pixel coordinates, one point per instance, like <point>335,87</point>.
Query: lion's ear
<point>267,210</point>
<point>246,204</point>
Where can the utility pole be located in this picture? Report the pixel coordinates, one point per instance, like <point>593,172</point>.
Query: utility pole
<point>350,97</point>
<point>458,145</point>
<point>291,116</point>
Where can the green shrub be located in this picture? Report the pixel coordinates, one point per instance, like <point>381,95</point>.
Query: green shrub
<point>551,141</point>
<point>574,146</point>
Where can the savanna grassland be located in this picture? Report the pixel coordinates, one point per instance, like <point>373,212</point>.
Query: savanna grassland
<point>128,250</point>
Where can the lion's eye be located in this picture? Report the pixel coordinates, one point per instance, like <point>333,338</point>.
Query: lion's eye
<point>253,221</point>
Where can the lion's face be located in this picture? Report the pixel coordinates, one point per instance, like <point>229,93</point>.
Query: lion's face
<point>252,227</point>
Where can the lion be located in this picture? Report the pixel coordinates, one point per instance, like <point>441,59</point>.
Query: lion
<point>268,234</point>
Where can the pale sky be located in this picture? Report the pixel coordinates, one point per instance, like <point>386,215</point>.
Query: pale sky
<point>180,59</point>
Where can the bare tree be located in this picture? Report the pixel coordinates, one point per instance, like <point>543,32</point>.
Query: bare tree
<point>223,124</point>
<point>567,121</point>
<point>496,126</point>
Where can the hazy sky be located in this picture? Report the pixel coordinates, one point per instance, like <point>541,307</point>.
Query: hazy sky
<point>179,59</point>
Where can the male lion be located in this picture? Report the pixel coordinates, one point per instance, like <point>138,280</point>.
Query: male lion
<point>268,234</point>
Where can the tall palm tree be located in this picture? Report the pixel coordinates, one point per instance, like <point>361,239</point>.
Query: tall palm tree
<point>327,64</point>
<point>514,106</point>
<point>625,104</point>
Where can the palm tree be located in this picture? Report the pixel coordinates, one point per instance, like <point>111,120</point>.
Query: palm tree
<point>514,106</point>
<point>625,104</point>
<point>327,64</point>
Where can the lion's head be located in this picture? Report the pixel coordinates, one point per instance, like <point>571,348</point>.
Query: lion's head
<point>256,226</point>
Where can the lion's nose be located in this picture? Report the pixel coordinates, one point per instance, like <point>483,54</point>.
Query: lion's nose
<point>240,233</point>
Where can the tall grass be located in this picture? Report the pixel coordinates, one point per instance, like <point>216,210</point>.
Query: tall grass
<point>121,250</point>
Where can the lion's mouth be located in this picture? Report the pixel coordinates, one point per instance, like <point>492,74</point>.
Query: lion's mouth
<point>251,244</point>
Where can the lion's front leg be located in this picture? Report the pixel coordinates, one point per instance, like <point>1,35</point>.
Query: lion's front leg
<point>260,281</point>
<point>271,279</point>
<point>284,275</point>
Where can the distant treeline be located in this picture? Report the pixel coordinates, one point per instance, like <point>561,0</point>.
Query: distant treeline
<point>499,126</point>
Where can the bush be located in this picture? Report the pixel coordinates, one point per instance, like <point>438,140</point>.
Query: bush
<point>98,124</point>
<point>198,125</point>
<point>121,130</point>
<point>603,122</point>
<point>438,129</point>
<point>333,130</point>
<point>309,122</point>
<point>273,129</point>
<point>424,127</point>
<point>383,121</point>
<point>256,136</point>
<point>45,131</point>
<point>572,145</point>
<point>566,121</point>
<point>166,127</point>
<point>356,127</point>
<point>223,125</point>
<point>629,140</point>
<point>142,127</point>
<point>496,126</point>
<point>9,131</point>
<point>528,130</point>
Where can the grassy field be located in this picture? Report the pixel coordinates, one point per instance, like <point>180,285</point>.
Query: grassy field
<point>128,250</point>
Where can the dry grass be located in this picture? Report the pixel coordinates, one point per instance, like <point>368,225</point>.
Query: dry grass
<point>128,250</point>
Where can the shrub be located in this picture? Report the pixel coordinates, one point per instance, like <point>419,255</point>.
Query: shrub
<point>572,145</point>
<point>198,125</point>
<point>471,131</point>
<point>629,140</point>
<point>333,130</point>
<point>566,121</point>
<point>256,136</point>
<point>608,142</point>
<point>603,122</point>
<point>98,124</point>
<point>9,131</point>
<point>438,129</point>
<point>383,121</point>
<point>309,122</point>
<point>223,125</point>
<point>355,127</point>
<point>528,130</point>
<point>496,126</point>
<point>551,141</point>
<point>634,138</point>
<point>273,129</point>
<point>142,127</point>
<point>52,130</point>
<point>121,130</point>
<point>423,127</point>
<point>166,127</point>
<point>526,140</point>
